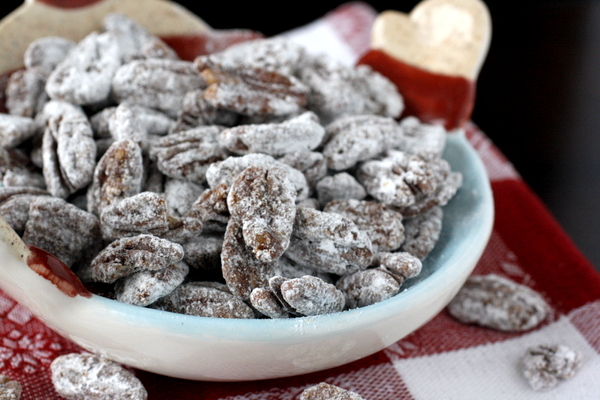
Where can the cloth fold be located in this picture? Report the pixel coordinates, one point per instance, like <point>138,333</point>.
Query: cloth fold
<point>442,360</point>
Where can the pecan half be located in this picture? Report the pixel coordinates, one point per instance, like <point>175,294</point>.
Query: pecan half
<point>357,138</point>
<point>68,149</point>
<point>118,175</point>
<point>129,255</point>
<point>156,83</point>
<point>62,229</point>
<point>382,224</point>
<point>264,201</point>
<point>241,269</point>
<point>94,61</point>
<point>250,90</point>
<point>499,303</point>
<point>25,94</point>
<point>89,376</point>
<point>301,133</point>
<point>197,298</point>
<point>44,54</point>
<point>15,129</point>
<point>226,171</point>
<point>188,154</point>
<point>398,178</point>
<point>328,242</point>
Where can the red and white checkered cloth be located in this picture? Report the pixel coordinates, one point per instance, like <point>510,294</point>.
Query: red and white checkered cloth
<point>442,360</point>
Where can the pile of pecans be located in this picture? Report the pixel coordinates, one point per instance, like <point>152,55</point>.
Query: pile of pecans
<point>259,181</point>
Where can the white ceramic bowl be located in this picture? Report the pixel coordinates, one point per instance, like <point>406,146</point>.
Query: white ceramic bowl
<point>215,349</point>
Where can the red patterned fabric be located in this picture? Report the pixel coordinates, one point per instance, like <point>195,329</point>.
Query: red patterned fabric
<point>442,360</point>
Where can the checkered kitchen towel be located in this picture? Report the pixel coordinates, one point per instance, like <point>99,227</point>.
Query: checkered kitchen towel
<point>442,360</point>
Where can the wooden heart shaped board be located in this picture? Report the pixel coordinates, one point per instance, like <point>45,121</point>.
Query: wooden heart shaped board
<point>434,55</point>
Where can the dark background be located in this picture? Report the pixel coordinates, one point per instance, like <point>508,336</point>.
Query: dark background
<point>538,94</point>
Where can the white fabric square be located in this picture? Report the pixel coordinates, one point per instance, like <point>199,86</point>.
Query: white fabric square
<point>493,372</point>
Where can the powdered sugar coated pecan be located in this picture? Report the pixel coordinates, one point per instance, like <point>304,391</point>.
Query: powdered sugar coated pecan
<point>383,225</point>
<point>340,186</point>
<point>263,199</point>
<point>129,255</point>
<point>310,295</point>
<point>241,269</point>
<point>69,149</point>
<point>44,54</point>
<point>499,303</point>
<point>211,208</point>
<point>367,287</point>
<point>15,129</point>
<point>156,48</point>
<point>180,195</point>
<point>62,229</point>
<point>25,94</point>
<point>421,232</point>
<point>381,95</point>
<point>446,184</point>
<point>276,53</point>
<point>145,212</point>
<point>397,178</point>
<point>267,303</point>
<point>118,174</point>
<point>301,133</point>
<point>326,391</point>
<point>123,124</point>
<point>146,287</point>
<point>544,366</point>
<point>23,177</point>
<point>10,389</point>
<point>420,138</point>
<point>132,39</point>
<point>357,138</point>
<point>227,170</point>
<point>197,111</point>
<point>94,61</point>
<point>401,265</point>
<point>156,83</point>
<point>205,300</point>
<point>249,90</point>
<point>152,122</point>
<point>188,154</point>
<point>89,376</point>
<point>328,242</point>
<point>338,90</point>
<point>15,202</point>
